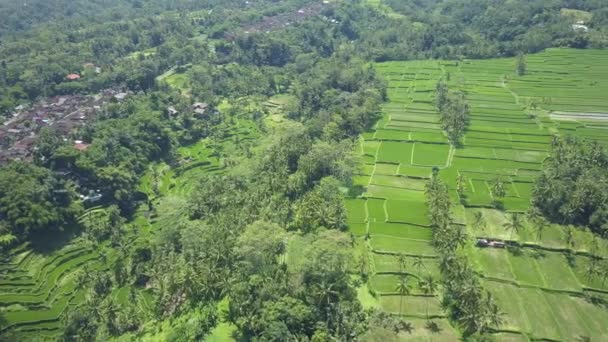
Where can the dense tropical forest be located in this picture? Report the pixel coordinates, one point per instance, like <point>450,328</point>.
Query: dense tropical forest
<point>303,170</point>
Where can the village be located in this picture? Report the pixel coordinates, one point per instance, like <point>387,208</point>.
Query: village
<point>284,20</point>
<point>63,113</point>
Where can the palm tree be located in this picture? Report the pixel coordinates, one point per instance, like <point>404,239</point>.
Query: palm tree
<point>592,269</point>
<point>461,185</point>
<point>428,286</point>
<point>569,237</point>
<point>404,288</point>
<point>498,189</point>
<point>541,224</point>
<point>418,263</point>
<point>604,271</point>
<point>460,237</point>
<point>494,314</point>
<point>402,262</point>
<point>478,220</point>
<point>533,214</point>
<point>514,224</point>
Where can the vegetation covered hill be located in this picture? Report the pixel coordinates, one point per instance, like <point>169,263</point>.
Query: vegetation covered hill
<point>303,170</point>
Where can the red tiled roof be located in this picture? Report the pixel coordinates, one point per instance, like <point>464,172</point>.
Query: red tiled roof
<point>72,77</point>
<point>81,146</point>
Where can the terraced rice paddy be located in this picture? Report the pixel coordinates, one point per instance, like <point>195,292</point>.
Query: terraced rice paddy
<point>544,292</point>
<point>37,288</point>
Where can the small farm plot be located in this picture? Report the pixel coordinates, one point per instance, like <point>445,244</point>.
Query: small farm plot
<point>385,284</point>
<point>412,305</point>
<point>408,211</point>
<point>400,230</point>
<point>525,268</point>
<point>526,310</point>
<point>494,263</point>
<point>376,211</point>
<point>430,154</point>
<point>557,273</point>
<point>419,267</point>
<point>391,244</point>
<point>399,182</point>
<point>395,152</point>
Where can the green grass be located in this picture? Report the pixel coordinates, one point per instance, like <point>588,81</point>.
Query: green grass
<point>356,210</point>
<point>375,209</point>
<point>395,152</point>
<point>400,245</point>
<point>399,182</point>
<point>387,283</point>
<point>411,305</point>
<point>178,81</point>
<point>526,269</point>
<point>430,154</point>
<point>400,230</point>
<point>494,263</point>
<point>555,270</point>
<point>384,263</point>
<point>407,211</point>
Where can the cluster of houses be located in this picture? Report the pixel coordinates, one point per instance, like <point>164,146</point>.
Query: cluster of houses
<point>580,26</point>
<point>64,113</point>
<point>284,19</point>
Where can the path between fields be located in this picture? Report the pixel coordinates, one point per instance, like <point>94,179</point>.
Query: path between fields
<point>599,116</point>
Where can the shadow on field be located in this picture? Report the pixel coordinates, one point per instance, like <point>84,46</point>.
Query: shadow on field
<point>49,241</point>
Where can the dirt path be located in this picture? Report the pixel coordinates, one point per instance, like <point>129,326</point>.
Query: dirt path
<point>579,116</point>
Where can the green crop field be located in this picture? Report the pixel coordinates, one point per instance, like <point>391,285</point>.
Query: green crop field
<point>544,291</point>
<point>36,287</point>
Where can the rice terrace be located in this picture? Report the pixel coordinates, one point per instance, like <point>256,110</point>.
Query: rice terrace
<point>541,283</point>
<point>304,170</point>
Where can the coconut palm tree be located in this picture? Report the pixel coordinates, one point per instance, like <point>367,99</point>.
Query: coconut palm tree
<point>540,226</point>
<point>533,214</point>
<point>494,314</point>
<point>604,271</point>
<point>479,221</point>
<point>428,286</point>
<point>418,263</point>
<point>514,224</point>
<point>404,288</point>
<point>498,189</point>
<point>592,269</point>
<point>461,185</point>
<point>460,236</point>
<point>569,237</point>
<point>402,262</point>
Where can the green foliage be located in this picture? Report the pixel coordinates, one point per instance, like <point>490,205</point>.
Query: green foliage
<point>472,307</point>
<point>33,200</point>
<point>454,111</point>
<point>322,207</point>
<point>520,64</point>
<point>572,187</point>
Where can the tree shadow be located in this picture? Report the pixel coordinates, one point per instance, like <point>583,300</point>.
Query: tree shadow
<point>49,241</point>
<point>433,327</point>
<point>356,190</point>
<point>538,254</point>
<point>499,205</point>
<point>515,250</point>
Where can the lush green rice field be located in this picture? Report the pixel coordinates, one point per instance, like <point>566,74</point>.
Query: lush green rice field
<point>512,120</point>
